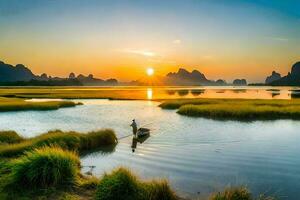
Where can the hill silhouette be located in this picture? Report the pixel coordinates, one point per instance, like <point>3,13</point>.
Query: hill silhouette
<point>184,77</point>
<point>10,73</point>
<point>274,77</point>
<point>20,75</point>
<point>292,79</point>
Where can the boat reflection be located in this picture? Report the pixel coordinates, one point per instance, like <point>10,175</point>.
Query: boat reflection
<point>140,140</point>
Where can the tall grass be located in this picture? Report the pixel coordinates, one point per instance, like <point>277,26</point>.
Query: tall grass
<point>121,184</point>
<point>67,140</point>
<point>238,109</point>
<point>240,193</point>
<point>10,137</point>
<point>14,104</point>
<point>237,193</point>
<point>45,167</point>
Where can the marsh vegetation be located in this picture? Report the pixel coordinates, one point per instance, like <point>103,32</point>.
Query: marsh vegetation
<point>238,109</point>
<point>72,140</point>
<point>17,104</point>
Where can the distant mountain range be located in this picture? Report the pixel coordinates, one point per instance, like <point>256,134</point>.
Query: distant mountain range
<point>21,75</point>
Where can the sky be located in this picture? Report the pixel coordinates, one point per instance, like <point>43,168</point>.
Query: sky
<point>122,38</point>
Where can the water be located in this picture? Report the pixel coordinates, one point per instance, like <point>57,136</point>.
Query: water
<point>196,155</point>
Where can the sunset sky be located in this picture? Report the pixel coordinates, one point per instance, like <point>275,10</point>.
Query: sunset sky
<point>121,39</point>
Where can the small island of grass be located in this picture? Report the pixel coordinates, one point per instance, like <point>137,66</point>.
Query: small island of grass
<point>236,109</point>
<point>16,104</point>
<point>14,145</point>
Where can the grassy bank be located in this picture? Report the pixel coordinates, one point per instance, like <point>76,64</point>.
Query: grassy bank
<point>10,137</point>
<point>51,172</point>
<point>15,104</point>
<point>122,184</point>
<point>72,140</point>
<point>237,109</point>
<point>45,173</point>
<point>129,93</point>
<point>54,173</point>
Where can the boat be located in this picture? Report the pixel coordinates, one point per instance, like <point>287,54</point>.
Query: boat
<point>143,132</point>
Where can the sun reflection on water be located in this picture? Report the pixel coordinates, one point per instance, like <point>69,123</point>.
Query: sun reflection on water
<point>149,93</point>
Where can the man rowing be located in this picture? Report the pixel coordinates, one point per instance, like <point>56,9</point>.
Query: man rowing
<point>134,127</point>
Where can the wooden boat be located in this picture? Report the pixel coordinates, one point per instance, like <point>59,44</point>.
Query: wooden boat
<point>143,132</point>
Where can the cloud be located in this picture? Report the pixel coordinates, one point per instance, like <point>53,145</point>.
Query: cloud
<point>177,41</point>
<point>139,52</point>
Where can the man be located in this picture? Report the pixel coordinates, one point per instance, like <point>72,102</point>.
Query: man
<point>134,127</point>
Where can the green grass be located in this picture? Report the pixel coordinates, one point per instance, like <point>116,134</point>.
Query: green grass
<point>45,173</point>
<point>45,167</point>
<point>236,109</point>
<point>237,193</point>
<point>10,137</point>
<point>15,104</point>
<point>67,140</point>
<point>73,92</point>
<point>121,184</point>
<point>241,193</point>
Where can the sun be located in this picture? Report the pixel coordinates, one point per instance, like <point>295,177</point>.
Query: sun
<point>150,71</point>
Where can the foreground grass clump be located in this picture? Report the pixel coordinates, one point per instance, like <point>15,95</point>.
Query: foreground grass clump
<point>10,137</point>
<point>45,173</point>
<point>67,140</point>
<point>238,193</point>
<point>232,194</point>
<point>14,104</point>
<point>45,167</point>
<point>121,184</point>
<point>238,109</point>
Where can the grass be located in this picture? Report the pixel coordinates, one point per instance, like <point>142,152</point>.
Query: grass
<point>67,140</point>
<point>45,173</point>
<point>236,109</point>
<point>237,193</point>
<point>9,137</point>
<point>54,173</point>
<point>121,184</point>
<point>240,193</point>
<point>15,104</point>
<point>45,167</point>
<point>74,92</point>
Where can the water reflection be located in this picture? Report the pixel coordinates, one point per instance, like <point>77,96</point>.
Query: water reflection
<point>183,92</point>
<point>99,151</point>
<point>197,92</point>
<point>171,92</point>
<point>140,140</point>
<point>240,91</point>
<point>295,94</point>
<point>149,93</point>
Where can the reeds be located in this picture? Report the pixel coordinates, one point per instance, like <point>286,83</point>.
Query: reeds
<point>237,109</point>
<point>14,104</point>
<point>122,184</point>
<point>9,137</point>
<point>238,193</point>
<point>67,140</point>
<point>45,167</point>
